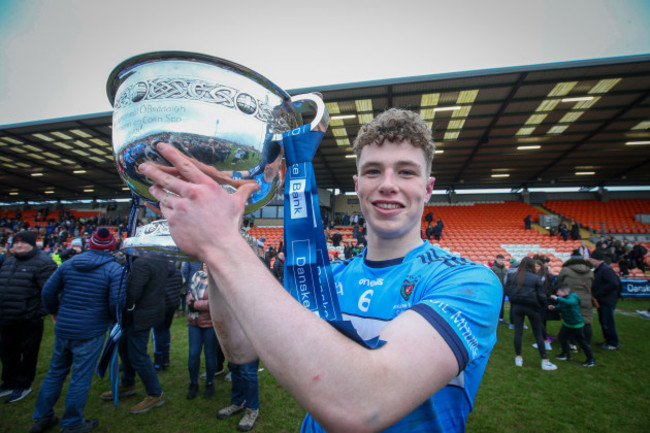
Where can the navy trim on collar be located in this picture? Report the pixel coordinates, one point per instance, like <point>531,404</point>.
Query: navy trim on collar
<point>382,263</point>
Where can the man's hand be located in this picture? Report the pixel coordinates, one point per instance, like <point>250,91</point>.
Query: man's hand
<point>200,213</point>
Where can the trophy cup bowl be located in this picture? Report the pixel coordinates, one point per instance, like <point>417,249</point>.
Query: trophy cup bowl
<point>216,112</point>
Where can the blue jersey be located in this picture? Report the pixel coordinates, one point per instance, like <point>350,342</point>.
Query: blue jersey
<point>459,298</point>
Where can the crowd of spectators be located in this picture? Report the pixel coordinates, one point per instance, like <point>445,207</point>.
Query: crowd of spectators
<point>586,281</point>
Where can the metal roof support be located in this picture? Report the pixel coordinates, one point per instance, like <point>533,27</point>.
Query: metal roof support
<point>593,134</point>
<point>485,138</point>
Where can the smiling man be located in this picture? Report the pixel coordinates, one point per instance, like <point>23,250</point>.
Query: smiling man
<point>436,312</point>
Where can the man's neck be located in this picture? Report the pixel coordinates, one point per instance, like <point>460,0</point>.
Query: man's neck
<point>379,249</point>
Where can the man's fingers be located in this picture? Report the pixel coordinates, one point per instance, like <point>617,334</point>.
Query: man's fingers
<point>169,170</point>
<point>185,165</point>
<point>245,189</point>
<point>152,208</point>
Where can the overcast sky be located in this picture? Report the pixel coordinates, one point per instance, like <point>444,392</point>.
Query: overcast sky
<point>55,56</point>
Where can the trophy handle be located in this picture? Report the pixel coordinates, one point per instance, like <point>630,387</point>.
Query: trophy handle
<point>322,119</point>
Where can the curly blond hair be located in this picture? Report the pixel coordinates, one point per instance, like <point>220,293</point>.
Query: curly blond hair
<point>396,125</point>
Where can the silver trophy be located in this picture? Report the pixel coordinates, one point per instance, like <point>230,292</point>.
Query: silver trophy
<point>226,117</point>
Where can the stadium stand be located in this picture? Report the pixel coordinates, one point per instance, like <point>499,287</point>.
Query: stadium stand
<point>477,230</point>
<point>612,217</point>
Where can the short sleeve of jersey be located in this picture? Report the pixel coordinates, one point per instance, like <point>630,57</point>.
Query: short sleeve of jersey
<point>461,300</point>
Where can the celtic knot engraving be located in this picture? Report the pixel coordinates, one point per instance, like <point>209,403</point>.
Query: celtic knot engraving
<point>196,90</point>
<point>155,228</point>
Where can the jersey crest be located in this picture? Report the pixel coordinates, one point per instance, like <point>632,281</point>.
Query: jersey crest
<point>407,286</point>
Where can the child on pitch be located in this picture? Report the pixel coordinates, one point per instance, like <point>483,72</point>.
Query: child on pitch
<point>573,324</point>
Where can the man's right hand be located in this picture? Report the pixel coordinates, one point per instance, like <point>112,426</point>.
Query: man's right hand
<point>201,214</point>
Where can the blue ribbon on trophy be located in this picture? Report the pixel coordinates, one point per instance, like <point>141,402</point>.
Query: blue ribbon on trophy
<point>307,272</point>
<point>109,354</point>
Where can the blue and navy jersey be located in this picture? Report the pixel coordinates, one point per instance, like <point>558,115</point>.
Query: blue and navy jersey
<point>459,298</point>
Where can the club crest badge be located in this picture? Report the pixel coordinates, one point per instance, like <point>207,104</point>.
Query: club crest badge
<point>407,287</point>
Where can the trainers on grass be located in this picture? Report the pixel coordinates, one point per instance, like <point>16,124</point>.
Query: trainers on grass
<point>192,390</point>
<point>548,365</point>
<point>18,394</point>
<point>519,361</point>
<point>39,425</point>
<point>87,426</point>
<point>209,390</point>
<point>230,410</point>
<point>589,363</point>
<point>248,420</point>
<point>122,391</point>
<point>147,404</point>
<point>563,357</point>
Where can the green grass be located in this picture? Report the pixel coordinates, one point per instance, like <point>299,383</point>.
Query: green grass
<point>612,397</point>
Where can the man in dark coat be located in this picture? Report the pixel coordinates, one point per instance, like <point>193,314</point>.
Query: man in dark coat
<point>437,229</point>
<point>605,290</point>
<point>336,239</point>
<point>278,267</point>
<point>499,268</point>
<point>145,309</point>
<point>637,255</point>
<point>22,277</point>
<point>83,296</point>
<point>76,246</point>
<point>161,333</point>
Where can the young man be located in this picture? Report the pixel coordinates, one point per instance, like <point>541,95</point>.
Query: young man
<point>437,313</point>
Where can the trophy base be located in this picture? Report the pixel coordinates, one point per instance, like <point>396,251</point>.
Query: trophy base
<point>154,240</point>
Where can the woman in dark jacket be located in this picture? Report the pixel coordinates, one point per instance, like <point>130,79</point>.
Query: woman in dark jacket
<point>526,294</point>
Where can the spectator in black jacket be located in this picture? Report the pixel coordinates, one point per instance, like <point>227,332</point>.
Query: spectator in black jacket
<point>22,277</point>
<point>437,229</point>
<point>161,334</point>
<point>76,247</point>
<point>278,267</point>
<point>605,289</point>
<point>336,239</point>
<point>145,309</point>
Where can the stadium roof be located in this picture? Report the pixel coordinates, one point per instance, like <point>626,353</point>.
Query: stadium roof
<point>583,123</point>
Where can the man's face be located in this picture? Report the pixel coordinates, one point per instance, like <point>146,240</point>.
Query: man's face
<point>500,260</point>
<point>595,262</point>
<point>21,247</point>
<point>393,185</point>
<point>271,169</point>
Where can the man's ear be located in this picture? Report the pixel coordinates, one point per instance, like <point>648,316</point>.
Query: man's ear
<point>429,189</point>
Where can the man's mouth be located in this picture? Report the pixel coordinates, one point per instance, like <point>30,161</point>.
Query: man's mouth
<point>388,205</point>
